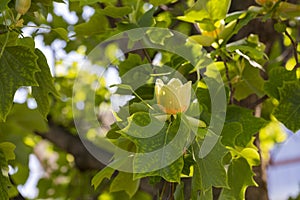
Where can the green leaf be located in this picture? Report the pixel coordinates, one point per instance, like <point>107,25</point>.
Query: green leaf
<point>158,153</point>
<point>19,122</point>
<point>250,124</point>
<point>27,42</point>
<point>124,182</point>
<point>288,110</point>
<point>8,150</point>
<point>230,132</point>
<point>250,48</point>
<point>63,33</point>
<point>242,21</point>
<point>116,12</point>
<point>46,85</point>
<point>240,176</point>
<point>212,171</point>
<point>147,19</point>
<point>206,9</point>
<point>96,25</point>
<point>277,76</point>
<point>250,82</point>
<point>132,61</point>
<point>17,68</point>
<point>107,172</point>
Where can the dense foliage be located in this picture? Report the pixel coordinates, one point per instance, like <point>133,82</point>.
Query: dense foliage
<point>224,107</point>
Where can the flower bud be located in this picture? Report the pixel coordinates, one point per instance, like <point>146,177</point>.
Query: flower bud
<point>173,97</point>
<point>22,6</point>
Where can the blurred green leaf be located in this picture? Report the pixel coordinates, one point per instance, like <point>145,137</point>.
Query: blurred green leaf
<point>179,192</point>
<point>289,10</point>
<point>8,150</point>
<point>3,4</point>
<point>116,12</point>
<point>63,33</point>
<point>4,182</point>
<point>97,24</point>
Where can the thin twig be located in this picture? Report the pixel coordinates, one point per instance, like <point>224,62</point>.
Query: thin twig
<point>294,48</point>
<point>163,191</point>
<point>147,56</point>
<point>259,101</point>
<point>4,45</point>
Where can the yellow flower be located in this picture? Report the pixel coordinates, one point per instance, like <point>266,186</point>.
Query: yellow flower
<point>173,97</point>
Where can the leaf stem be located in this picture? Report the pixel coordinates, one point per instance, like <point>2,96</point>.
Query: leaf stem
<point>140,98</point>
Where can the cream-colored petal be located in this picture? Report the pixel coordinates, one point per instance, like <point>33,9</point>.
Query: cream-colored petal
<point>158,85</point>
<point>175,83</point>
<point>185,95</point>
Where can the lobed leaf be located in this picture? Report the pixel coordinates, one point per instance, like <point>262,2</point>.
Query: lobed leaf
<point>124,182</point>
<point>288,110</point>
<point>240,176</point>
<point>18,66</point>
<point>277,77</point>
<point>211,169</point>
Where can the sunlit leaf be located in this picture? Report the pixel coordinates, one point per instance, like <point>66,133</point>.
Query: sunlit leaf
<point>212,10</point>
<point>101,175</point>
<point>240,176</point>
<point>124,182</point>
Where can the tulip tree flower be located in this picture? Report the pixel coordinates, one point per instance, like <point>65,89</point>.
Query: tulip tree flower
<point>173,97</point>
